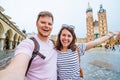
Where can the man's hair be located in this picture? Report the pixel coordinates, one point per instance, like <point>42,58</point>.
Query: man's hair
<point>45,13</point>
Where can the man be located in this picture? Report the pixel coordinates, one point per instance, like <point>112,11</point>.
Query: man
<point>40,69</point>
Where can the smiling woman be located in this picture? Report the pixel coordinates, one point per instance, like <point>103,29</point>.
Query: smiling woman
<point>68,59</point>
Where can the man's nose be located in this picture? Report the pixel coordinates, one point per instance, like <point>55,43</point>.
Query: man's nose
<point>47,25</point>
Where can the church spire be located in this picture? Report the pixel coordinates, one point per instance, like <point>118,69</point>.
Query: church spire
<point>101,9</point>
<point>89,9</point>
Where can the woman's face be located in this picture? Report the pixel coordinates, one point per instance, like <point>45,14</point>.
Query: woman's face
<point>66,38</point>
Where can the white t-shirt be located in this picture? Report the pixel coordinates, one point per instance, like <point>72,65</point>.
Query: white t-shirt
<point>40,69</point>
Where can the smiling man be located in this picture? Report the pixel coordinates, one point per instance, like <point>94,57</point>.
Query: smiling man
<point>40,69</point>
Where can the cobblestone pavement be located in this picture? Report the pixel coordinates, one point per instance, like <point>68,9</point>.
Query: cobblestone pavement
<point>5,58</point>
<point>6,53</point>
<point>98,64</point>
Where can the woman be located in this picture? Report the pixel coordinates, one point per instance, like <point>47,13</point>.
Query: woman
<point>68,59</point>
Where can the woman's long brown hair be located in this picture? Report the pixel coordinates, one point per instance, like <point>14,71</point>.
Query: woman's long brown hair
<point>72,45</point>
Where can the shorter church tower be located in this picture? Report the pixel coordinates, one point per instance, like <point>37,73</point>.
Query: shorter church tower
<point>89,24</point>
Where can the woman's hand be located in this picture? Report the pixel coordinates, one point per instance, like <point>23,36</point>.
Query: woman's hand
<point>112,33</point>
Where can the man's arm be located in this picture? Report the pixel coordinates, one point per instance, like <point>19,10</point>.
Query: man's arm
<point>16,69</point>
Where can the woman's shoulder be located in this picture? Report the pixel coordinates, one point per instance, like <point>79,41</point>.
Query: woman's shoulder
<point>81,47</point>
<point>81,44</point>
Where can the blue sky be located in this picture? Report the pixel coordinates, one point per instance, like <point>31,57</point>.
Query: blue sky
<point>72,12</point>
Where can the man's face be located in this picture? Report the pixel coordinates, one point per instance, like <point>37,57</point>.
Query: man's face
<point>44,26</point>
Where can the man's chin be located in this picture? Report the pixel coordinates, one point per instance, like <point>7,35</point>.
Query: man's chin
<point>45,35</point>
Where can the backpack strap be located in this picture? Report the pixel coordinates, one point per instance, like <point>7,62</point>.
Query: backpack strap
<point>52,41</point>
<point>35,53</point>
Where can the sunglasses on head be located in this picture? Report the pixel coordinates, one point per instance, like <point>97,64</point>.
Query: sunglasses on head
<point>68,26</point>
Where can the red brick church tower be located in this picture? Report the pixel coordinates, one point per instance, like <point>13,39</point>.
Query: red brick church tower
<point>96,29</point>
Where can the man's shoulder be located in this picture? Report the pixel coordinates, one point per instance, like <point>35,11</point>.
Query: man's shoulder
<point>26,42</point>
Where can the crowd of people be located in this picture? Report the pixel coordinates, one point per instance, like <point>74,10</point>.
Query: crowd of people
<point>114,47</point>
<point>61,59</point>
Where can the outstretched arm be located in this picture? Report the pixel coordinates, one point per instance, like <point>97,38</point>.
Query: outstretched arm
<point>92,44</point>
<point>16,69</point>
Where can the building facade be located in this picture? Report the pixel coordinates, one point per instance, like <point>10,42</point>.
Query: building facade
<point>10,34</point>
<point>97,29</point>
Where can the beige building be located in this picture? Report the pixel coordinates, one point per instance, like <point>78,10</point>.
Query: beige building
<point>31,34</point>
<point>81,40</point>
<point>10,34</point>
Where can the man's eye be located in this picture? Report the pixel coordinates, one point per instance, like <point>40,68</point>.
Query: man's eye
<point>50,24</point>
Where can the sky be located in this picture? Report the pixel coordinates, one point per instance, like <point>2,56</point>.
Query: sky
<point>72,12</point>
